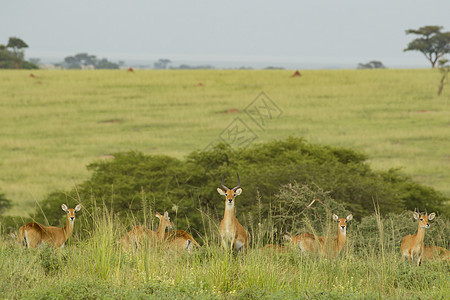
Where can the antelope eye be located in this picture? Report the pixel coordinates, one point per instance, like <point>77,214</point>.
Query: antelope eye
<point>234,195</point>
<point>226,194</point>
<point>421,219</point>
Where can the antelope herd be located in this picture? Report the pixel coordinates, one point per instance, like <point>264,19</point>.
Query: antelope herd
<point>233,235</point>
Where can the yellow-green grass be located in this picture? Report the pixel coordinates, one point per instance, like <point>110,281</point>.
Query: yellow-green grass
<point>54,124</point>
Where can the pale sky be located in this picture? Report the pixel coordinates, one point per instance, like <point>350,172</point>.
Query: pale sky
<point>294,34</point>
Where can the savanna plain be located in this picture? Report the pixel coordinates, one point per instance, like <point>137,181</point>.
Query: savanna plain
<point>54,123</point>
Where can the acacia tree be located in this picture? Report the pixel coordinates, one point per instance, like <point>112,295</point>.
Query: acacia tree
<point>17,45</point>
<point>432,43</point>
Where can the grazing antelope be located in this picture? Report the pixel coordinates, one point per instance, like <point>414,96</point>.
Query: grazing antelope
<point>412,244</point>
<point>308,242</point>
<point>35,234</point>
<point>233,234</point>
<point>435,252</point>
<point>139,233</point>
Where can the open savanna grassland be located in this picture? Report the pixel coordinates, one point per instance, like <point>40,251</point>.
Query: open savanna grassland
<point>95,267</point>
<point>56,122</point>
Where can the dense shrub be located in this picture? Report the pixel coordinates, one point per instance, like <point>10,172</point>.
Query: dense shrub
<point>134,184</point>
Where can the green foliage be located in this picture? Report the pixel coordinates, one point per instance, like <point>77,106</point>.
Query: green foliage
<point>50,260</point>
<point>374,64</point>
<point>83,60</point>
<point>12,55</point>
<point>134,182</point>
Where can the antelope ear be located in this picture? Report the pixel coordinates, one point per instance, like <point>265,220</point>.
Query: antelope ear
<point>349,217</point>
<point>335,217</point>
<point>166,215</point>
<point>64,208</point>
<point>238,191</point>
<point>220,191</point>
<point>158,215</point>
<point>431,216</point>
<point>78,207</point>
<point>416,215</point>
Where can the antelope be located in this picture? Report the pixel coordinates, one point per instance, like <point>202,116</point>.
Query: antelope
<point>33,234</point>
<point>140,233</point>
<point>233,234</point>
<point>180,240</point>
<point>308,242</point>
<point>435,252</point>
<point>412,244</point>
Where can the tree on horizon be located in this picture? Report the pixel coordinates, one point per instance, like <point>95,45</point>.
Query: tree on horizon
<point>431,42</point>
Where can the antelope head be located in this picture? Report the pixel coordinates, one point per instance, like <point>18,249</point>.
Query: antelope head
<point>71,212</point>
<point>423,218</point>
<point>342,222</point>
<point>230,194</point>
<point>165,219</point>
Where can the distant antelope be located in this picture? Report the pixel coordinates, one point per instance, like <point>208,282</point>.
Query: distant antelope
<point>412,245</point>
<point>233,234</point>
<point>308,242</point>
<point>33,234</point>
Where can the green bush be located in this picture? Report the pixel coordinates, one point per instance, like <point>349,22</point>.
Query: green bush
<point>134,185</point>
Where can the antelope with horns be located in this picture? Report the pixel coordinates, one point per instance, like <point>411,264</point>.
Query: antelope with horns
<point>311,243</point>
<point>412,245</point>
<point>33,234</point>
<point>233,234</point>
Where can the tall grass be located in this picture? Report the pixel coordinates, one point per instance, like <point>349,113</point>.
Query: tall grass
<point>92,265</point>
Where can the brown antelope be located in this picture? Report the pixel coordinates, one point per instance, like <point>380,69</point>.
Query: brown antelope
<point>412,244</point>
<point>177,240</point>
<point>139,233</point>
<point>233,234</point>
<point>311,243</point>
<point>435,252</point>
<point>180,240</point>
<point>33,234</point>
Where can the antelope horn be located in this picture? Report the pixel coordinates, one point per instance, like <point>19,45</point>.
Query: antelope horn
<point>223,186</point>
<point>426,213</point>
<point>239,183</point>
